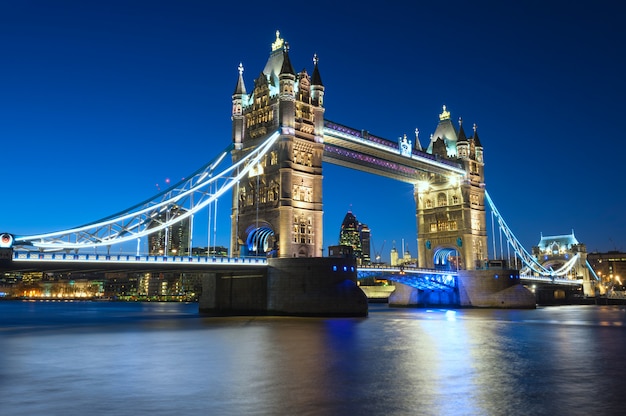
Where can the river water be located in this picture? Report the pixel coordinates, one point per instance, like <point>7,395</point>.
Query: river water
<point>93,358</point>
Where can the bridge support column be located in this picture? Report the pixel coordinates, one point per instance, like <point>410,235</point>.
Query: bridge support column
<point>407,296</point>
<point>208,297</point>
<point>494,288</point>
<point>299,286</point>
<point>242,293</point>
<point>318,286</point>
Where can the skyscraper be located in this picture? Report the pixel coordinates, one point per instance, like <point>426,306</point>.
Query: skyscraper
<point>173,240</point>
<point>357,236</point>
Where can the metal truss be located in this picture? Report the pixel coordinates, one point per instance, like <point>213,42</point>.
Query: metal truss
<point>531,264</point>
<point>180,201</point>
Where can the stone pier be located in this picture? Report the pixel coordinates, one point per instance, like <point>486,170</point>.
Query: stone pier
<point>300,286</point>
<point>489,288</point>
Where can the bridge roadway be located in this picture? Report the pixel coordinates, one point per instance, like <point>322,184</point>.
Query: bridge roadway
<point>30,261</point>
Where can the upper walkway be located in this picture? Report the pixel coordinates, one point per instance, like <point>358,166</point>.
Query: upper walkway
<point>362,151</point>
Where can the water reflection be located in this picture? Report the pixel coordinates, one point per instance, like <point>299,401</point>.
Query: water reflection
<point>165,359</point>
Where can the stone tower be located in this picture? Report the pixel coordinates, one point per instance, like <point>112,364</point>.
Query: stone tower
<point>277,209</point>
<point>451,219</point>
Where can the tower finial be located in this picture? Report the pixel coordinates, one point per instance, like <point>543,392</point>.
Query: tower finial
<point>417,133</point>
<point>460,121</point>
<point>315,59</point>
<point>240,68</point>
<point>278,43</point>
<point>475,127</point>
<point>445,115</point>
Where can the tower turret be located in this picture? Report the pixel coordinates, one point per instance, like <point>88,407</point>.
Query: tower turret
<point>239,96</point>
<point>478,147</point>
<point>317,87</point>
<point>462,144</point>
<point>418,145</point>
<point>317,100</point>
<point>287,96</point>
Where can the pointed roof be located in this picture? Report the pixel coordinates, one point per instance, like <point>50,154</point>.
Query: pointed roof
<point>475,137</point>
<point>317,79</point>
<point>349,221</point>
<point>274,64</point>
<point>418,145</point>
<point>240,89</point>
<point>286,67</point>
<point>462,137</point>
<point>260,81</point>
<point>445,131</point>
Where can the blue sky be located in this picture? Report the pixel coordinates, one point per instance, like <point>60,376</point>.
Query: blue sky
<point>101,101</point>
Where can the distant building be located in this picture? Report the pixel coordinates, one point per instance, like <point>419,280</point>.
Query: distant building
<point>406,258</point>
<point>172,240</point>
<point>610,267</point>
<point>214,251</point>
<point>356,235</point>
<point>365,234</point>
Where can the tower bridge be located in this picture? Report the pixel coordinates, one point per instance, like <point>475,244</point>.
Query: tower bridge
<point>280,141</point>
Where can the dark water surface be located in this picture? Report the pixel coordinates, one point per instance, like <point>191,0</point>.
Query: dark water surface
<point>93,358</point>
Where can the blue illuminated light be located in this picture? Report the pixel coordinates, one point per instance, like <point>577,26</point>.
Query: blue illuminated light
<point>451,315</point>
<point>345,268</point>
<point>495,276</point>
<point>334,268</point>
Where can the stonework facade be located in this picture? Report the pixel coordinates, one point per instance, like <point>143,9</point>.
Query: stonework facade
<point>277,209</point>
<point>450,210</point>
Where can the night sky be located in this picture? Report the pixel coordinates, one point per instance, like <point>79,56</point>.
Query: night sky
<point>102,102</point>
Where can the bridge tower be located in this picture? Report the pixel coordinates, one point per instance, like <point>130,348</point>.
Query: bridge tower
<point>565,252</point>
<point>451,218</point>
<point>277,209</point>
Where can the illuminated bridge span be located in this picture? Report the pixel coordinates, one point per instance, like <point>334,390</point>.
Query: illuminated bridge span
<point>185,198</point>
<point>33,260</point>
<point>272,174</point>
<point>571,268</point>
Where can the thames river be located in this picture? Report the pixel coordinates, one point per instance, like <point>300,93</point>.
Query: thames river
<point>100,358</point>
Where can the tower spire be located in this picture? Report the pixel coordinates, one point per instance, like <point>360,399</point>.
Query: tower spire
<point>240,88</point>
<point>278,43</point>
<point>316,79</point>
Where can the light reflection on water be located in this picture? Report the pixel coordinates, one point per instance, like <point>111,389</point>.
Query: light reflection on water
<point>164,359</point>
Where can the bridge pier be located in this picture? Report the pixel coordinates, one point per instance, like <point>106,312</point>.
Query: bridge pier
<point>301,286</point>
<point>408,296</point>
<point>489,288</point>
<point>494,288</point>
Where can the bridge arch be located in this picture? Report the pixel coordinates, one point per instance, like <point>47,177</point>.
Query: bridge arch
<point>447,258</point>
<point>259,239</point>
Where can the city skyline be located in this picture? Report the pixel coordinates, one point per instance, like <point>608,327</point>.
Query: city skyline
<point>110,103</point>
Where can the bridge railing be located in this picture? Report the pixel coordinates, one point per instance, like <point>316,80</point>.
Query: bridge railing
<point>550,279</point>
<point>132,258</point>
